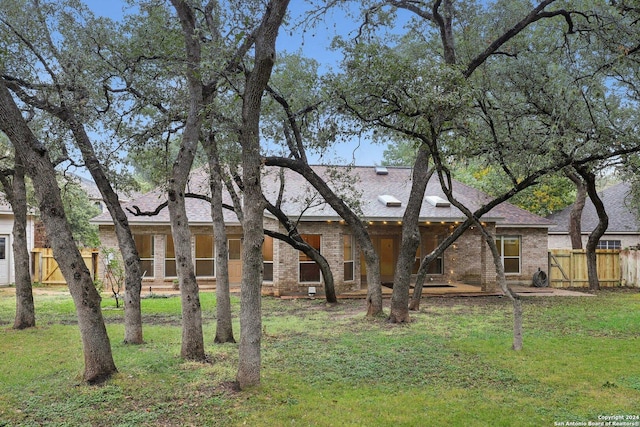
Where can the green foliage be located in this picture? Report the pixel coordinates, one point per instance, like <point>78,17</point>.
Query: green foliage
<point>319,361</point>
<point>551,194</point>
<point>79,210</point>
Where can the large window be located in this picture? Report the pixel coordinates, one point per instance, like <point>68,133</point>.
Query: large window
<point>205,255</point>
<point>144,245</point>
<point>309,270</point>
<point>267,257</point>
<point>436,266</point>
<point>170,269</point>
<point>509,249</point>
<point>349,264</point>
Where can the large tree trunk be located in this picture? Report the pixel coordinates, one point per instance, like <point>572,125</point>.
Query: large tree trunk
<point>410,239</point>
<point>98,359</point>
<point>575,216</point>
<point>17,196</point>
<point>250,310</point>
<point>133,273</point>
<point>224,326</point>
<point>598,232</point>
<point>192,336</point>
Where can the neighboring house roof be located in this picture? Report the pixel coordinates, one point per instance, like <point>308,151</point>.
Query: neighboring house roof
<point>382,196</point>
<point>623,218</point>
<point>93,193</point>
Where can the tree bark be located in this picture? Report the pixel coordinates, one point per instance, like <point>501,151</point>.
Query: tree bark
<point>410,239</point>
<point>192,337</point>
<point>133,275</point>
<point>250,309</point>
<point>597,233</point>
<point>98,359</point>
<point>16,193</point>
<point>130,257</point>
<point>515,299</point>
<point>575,216</point>
<point>224,326</point>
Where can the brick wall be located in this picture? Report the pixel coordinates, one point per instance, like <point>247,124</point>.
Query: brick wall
<point>534,252</point>
<point>286,280</point>
<point>468,260</point>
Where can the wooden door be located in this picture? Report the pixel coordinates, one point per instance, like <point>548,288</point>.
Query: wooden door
<point>235,260</point>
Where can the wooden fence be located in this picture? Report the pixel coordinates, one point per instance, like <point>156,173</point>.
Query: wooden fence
<point>46,270</point>
<point>630,267</point>
<point>568,268</point>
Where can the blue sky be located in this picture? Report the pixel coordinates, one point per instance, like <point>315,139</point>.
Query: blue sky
<point>313,43</point>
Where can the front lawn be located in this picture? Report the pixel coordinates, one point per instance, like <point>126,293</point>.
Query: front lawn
<point>329,366</point>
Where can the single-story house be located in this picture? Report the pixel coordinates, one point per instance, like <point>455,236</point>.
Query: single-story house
<point>624,223</point>
<point>380,195</point>
<point>7,267</point>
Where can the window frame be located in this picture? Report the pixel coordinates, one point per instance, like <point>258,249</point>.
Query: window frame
<point>438,263</point>
<point>147,274</point>
<point>212,258</point>
<point>500,243</point>
<point>169,238</point>
<point>303,260</point>
<point>268,240</point>
<point>609,244</point>
<point>348,259</point>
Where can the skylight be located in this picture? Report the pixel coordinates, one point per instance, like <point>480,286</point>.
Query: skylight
<point>437,201</point>
<point>381,170</point>
<point>389,201</point>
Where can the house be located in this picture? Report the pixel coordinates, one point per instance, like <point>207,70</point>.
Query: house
<point>7,268</point>
<point>380,194</point>
<point>624,224</point>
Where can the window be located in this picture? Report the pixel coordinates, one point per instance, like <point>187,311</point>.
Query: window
<point>144,245</point>
<point>509,250</point>
<point>235,249</point>
<point>349,265</point>
<point>609,244</point>
<point>416,261</point>
<point>170,269</point>
<point>309,270</point>
<point>267,256</point>
<point>437,265</point>
<point>205,255</point>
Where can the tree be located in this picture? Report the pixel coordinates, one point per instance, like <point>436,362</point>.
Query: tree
<point>70,98</point>
<point>575,217</point>
<point>255,85</point>
<point>15,190</point>
<point>224,327</point>
<point>512,122</point>
<point>99,364</point>
<point>79,210</point>
<point>302,127</point>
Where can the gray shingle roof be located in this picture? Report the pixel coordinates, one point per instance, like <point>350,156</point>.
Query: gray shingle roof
<point>351,183</point>
<point>622,218</point>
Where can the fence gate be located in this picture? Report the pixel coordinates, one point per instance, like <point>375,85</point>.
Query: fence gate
<point>630,267</point>
<point>46,269</point>
<point>568,268</point>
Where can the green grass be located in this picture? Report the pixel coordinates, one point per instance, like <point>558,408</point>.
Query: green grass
<point>329,366</point>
